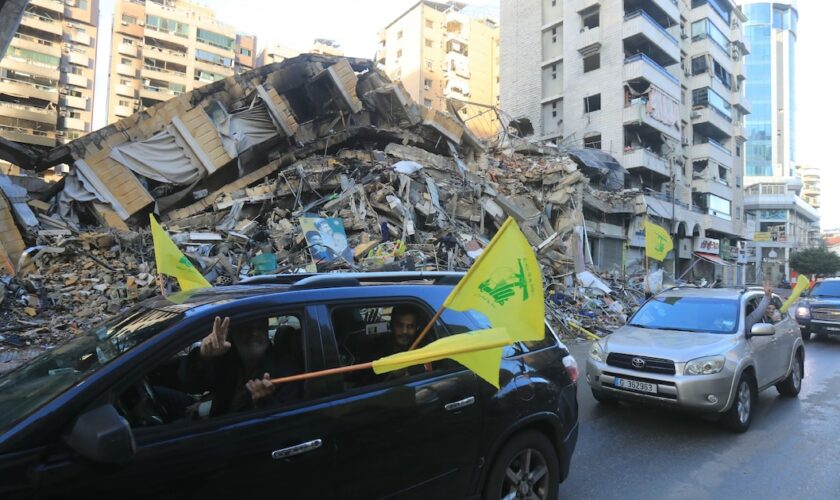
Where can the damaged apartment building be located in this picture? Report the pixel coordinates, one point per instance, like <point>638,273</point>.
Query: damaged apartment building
<point>658,85</point>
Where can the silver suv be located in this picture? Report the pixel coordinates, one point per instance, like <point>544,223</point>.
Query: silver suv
<point>687,348</point>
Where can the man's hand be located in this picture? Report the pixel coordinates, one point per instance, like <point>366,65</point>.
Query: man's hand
<point>216,343</point>
<point>768,289</point>
<point>260,388</point>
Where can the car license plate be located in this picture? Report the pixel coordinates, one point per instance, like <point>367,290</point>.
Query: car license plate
<point>635,385</point>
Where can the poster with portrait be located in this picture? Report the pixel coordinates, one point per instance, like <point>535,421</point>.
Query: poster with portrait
<point>326,239</point>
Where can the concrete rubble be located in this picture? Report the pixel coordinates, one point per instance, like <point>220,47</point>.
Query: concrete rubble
<point>233,169</point>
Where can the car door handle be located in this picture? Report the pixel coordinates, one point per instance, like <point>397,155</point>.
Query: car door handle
<point>296,449</point>
<point>457,405</point>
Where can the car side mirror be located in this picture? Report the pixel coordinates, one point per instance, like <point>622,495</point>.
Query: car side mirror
<point>102,435</point>
<point>762,330</point>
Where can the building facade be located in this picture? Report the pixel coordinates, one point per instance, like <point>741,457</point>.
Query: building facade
<point>246,53</point>
<point>439,53</point>
<point>275,53</point>
<point>657,84</point>
<point>163,48</point>
<point>810,176</point>
<point>47,74</point>
<point>783,201</point>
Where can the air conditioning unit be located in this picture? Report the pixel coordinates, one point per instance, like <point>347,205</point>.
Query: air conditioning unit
<point>695,114</point>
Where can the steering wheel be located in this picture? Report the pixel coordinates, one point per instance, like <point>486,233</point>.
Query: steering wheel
<point>141,406</point>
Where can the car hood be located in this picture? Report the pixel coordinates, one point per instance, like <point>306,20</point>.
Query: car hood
<point>674,345</point>
<point>828,303</point>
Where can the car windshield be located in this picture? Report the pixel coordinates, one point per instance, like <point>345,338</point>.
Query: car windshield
<point>826,289</point>
<point>32,385</point>
<point>697,314</point>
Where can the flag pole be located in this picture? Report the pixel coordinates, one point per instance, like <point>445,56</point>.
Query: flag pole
<point>160,283</point>
<point>427,328</point>
<point>322,373</point>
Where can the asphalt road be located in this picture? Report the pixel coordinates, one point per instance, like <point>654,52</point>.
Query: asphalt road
<point>792,449</point>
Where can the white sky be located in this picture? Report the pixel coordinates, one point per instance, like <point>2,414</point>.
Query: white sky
<point>354,25</point>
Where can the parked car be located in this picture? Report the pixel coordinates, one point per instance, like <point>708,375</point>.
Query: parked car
<point>687,348</point>
<point>94,417</point>
<point>818,312</point>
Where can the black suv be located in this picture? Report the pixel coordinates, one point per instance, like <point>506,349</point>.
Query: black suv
<point>819,310</point>
<point>93,417</point>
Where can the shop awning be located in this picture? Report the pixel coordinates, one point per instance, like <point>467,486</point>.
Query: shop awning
<point>714,259</point>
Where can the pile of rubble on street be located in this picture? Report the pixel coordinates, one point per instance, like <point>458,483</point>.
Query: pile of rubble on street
<point>314,164</point>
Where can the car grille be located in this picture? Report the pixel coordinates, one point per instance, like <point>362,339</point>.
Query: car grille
<point>653,365</point>
<point>826,314</point>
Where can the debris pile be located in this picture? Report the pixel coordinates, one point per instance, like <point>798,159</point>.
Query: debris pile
<point>314,164</point>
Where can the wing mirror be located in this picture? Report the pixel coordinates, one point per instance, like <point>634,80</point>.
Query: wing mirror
<point>102,435</point>
<point>762,330</point>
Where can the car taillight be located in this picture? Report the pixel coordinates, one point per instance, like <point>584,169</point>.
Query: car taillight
<point>571,367</point>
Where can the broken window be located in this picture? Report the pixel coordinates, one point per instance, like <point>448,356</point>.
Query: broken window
<point>723,174</point>
<point>427,84</point>
<point>590,19</point>
<point>592,103</point>
<point>591,63</point>
<point>427,103</point>
<point>721,74</point>
<point>699,167</point>
<point>592,141</point>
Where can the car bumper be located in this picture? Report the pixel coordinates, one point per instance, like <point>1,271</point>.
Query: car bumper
<point>817,326</point>
<point>700,393</point>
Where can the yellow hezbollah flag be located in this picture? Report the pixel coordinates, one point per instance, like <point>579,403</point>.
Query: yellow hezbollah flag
<point>657,241</point>
<point>505,284</point>
<point>171,261</point>
<point>479,351</point>
<point>801,285</point>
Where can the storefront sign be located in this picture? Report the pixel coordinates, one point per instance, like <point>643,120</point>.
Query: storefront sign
<point>707,245</point>
<point>763,236</point>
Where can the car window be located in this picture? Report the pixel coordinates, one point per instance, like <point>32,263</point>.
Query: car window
<point>198,384</point>
<point>699,314</point>
<point>826,289</point>
<point>32,385</point>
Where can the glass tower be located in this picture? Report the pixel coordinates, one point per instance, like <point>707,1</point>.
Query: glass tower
<point>770,70</point>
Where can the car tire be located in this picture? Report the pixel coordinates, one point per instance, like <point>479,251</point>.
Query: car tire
<point>527,466</point>
<point>604,399</point>
<point>739,416</point>
<point>790,386</point>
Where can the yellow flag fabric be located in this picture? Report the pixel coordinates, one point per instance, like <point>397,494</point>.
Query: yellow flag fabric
<point>802,284</point>
<point>171,261</point>
<point>505,284</point>
<point>657,241</point>
<point>479,351</point>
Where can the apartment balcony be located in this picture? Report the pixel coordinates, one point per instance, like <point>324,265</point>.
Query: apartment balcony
<point>31,67</point>
<point>166,75</point>
<point>127,49</point>
<point>53,5</point>
<point>706,11</point>
<point>41,23</point>
<point>157,93</point>
<point>724,224</point>
<point>167,36</point>
<point>166,55</point>
<point>712,150</point>
<point>126,90</point>
<point>79,59</point>
<point>741,101</point>
<point>26,112</point>
<point>123,111</point>
<point>706,45</point>
<point>786,201</point>
<point>81,38</point>
<point>77,80</point>
<point>73,124</point>
<point>636,113</point>
<point>26,89</point>
<point>36,44</point>
<point>708,80</point>
<point>714,187</point>
<point>642,159</point>
<point>642,34</point>
<point>642,67</point>
<point>75,102</point>
<point>739,130</point>
<point>589,40</point>
<point>712,123</point>
<point>126,70</point>
<point>458,64</point>
<point>28,136</point>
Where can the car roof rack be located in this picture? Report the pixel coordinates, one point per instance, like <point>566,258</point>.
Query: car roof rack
<point>327,280</point>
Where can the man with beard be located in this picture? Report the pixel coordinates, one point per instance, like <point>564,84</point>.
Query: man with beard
<point>238,372</point>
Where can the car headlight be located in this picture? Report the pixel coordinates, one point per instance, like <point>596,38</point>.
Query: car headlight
<point>705,366</point>
<point>803,312</point>
<point>597,352</point>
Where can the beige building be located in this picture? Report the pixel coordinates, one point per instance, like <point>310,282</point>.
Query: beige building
<point>163,48</point>
<point>439,53</point>
<point>47,74</point>
<point>810,176</point>
<point>275,53</point>
<point>246,53</point>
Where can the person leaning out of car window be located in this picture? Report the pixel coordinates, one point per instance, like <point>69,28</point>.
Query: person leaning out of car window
<point>765,312</point>
<point>238,372</point>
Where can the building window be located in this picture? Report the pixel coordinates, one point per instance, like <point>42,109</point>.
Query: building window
<point>427,84</point>
<point>698,65</point>
<point>553,35</point>
<point>399,34</point>
<point>123,60</point>
<point>553,71</point>
<point>592,103</point>
<point>590,19</point>
<point>592,141</point>
<point>399,53</point>
<point>214,39</point>
<point>429,43</point>
<point>429,24</point>
<point>591,63</point>
<point>129,19</point>
<point>429,64</point>
<point>245,52</point>
<point>554,109</point>
<point>427,103</point>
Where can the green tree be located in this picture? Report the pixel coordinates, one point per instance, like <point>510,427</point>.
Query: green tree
<point>816,261</point>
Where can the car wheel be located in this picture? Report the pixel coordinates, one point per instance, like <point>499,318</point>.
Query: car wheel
<point>604,398</point>
<point>739,415</point>
<point>793,383</point>
<point>526,467</point>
